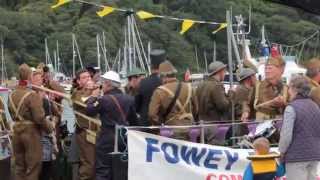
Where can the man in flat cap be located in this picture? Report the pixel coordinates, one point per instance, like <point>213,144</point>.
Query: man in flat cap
<point>25,106</point>
<point>214,103</point>
<point>271,94</point>
<point>148,85</point>
<point>313,75</point>
<point>134,79</point>
<point>173,103</point>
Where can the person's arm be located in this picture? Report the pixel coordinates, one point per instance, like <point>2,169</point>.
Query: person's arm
<point>132,115</point>
<point>248,173</point>
<point>287,129</point>
<point>280,170</point>
<point>154,108</point>
<point>93,106</point>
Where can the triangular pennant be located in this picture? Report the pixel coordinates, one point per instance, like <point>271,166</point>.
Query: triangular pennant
<point>60,3</point>
<point>105,11</point>
<point>145,15</point>
<point>222,26</point>
<point>186,25</point>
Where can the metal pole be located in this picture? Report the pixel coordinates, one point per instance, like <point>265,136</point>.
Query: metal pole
<point>202,139</point>
<point>229,38</point>
<point>205,60</point>
<point>214,51</point>
<point>73,58</point>
<point>98,52</point>
<point>115,148</point>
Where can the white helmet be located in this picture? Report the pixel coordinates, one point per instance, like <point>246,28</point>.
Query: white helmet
<point>112,76</point>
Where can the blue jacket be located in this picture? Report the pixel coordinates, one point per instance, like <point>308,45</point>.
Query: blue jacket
<point>248,173</point>
<point>109,112</point>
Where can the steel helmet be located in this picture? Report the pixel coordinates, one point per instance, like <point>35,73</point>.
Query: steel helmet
<point>112,76</point>
<point>245,73</point>
<point>135,72</point>
<point>215,67</point>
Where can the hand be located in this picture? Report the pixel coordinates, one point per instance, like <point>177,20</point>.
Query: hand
<point>96,92</point>
<point>278,101</point>
<point>90,85</point>
<point>245,117</point>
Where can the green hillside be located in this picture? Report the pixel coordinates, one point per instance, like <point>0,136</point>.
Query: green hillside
<point>24,24</point>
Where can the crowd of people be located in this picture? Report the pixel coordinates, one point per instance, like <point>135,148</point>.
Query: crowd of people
<point>100,103</point>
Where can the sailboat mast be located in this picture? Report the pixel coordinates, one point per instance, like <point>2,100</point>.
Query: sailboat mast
<point>2,62</point>
<point>73,57</point>
<point>98,52</point>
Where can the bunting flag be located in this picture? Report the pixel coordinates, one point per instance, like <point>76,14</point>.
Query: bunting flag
<point>186,25</point>
<point>145,15</point>
<point>222,26</point>
<point>60,3</point>
<point>105,11</point>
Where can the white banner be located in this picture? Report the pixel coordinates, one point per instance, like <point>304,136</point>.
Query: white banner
<point>154,157</point>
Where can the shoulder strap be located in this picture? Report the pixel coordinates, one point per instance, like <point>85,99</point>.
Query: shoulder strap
<point>174,99</point>
<point>17,109</point>
<point>116,102</point>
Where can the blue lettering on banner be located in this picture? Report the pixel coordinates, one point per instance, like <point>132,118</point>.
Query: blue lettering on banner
<point>212,156</point>
<point>173,154</point>
<point>151,148</point>
<point>171,159</point>
<point>231,159</point>
<point>193,152</point>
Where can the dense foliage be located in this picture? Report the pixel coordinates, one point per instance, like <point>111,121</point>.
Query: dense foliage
<point>24,24</point>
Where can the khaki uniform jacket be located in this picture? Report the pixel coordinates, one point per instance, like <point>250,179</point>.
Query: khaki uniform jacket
<point>243,100</point>
<point>161,99</point>
<point>31,110</point>
<point>213,102</point>
<point>315,90</point>
<point>77,96</point>
<point>265,91</point>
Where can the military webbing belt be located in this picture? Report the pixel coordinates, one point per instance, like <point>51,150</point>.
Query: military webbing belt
<point>17,109</point>
<point>179,104</point>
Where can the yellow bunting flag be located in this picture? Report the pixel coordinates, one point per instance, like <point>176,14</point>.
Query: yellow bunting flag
<point>105,11</point>
<point>60,3</point>
<point>222,26</point>
<point>145,15</point>
<point>186,25</point>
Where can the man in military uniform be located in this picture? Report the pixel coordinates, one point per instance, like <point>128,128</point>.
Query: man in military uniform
<point>148,85</point>
<point>214,103</point>
<point>173,103</point>
<point>25,107</point>
<point>243,101</point>
<point>134,78</point>
<point>271,94</point>
<point>87,149</point>
<point>313,75</point>
<point>244,95</point>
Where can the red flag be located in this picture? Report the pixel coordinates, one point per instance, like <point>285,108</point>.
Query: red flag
<point>275,51</point>
<point>187,75</point>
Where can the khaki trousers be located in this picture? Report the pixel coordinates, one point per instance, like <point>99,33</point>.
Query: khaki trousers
<point>27,150</point>
<point>87,157</point>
